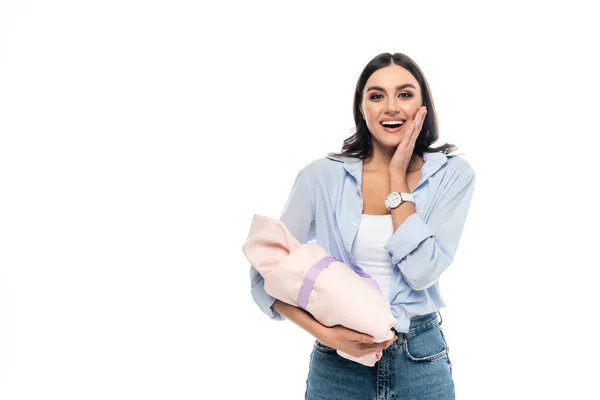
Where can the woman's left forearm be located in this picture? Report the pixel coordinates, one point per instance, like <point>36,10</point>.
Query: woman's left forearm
<point>406,209</point>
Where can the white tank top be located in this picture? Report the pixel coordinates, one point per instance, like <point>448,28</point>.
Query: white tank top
<point>368,250</point>
<point>369,253</point>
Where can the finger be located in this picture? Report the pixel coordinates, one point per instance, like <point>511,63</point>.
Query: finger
<point>385,346</point>
<point>417,123</point>
<point>364,338</point>
<point>381,345</point>
<point>408,137</point>
<point>373,347</point>
<point>389,343</point>
<point>365,352</point>
<point>420,115</point>
<point>417,129</point>
<point>422,119</point>
<point>408,141</point>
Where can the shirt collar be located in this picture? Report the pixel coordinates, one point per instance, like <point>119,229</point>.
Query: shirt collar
<point>433,162</point>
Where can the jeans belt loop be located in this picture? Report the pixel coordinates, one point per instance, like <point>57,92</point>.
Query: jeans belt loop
<point>401,337</point>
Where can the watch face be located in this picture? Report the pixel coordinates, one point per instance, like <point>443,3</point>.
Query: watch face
<point>393,200</point>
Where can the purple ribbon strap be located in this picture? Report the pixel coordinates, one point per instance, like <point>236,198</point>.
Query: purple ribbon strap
<point>310,279</point>
<point>368,277</point>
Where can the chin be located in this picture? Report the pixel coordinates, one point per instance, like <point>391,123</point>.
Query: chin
<point>390,141</point>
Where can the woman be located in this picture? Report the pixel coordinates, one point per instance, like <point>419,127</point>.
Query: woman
<point>357,204</point>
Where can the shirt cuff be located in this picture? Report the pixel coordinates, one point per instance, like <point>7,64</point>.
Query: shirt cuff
<point>407,237</point>
<point>265,301</point>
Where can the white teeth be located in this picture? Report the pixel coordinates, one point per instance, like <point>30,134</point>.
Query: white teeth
<point>392,122</point>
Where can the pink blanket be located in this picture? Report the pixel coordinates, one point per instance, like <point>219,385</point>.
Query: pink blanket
<point>304,275</point>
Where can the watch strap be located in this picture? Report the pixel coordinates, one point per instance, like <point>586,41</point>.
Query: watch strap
<point>406,196</point>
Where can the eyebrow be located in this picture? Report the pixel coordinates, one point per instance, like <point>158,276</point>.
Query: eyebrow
<point>397,87</point>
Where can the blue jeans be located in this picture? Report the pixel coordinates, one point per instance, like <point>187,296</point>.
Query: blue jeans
<point>415,367</point>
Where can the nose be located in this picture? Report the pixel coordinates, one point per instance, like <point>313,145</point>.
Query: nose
<point>391,106</point>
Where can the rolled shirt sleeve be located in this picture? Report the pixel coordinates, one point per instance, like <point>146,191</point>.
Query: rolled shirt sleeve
<point>423,250</point>
<point>298,217</point>
<point>261,297</point>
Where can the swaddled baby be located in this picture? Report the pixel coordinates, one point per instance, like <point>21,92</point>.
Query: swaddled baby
<point>306,276</point>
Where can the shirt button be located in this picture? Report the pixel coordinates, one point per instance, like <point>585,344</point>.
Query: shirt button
<point>355,224</point>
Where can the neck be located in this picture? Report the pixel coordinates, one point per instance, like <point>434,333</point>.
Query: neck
<point>380,160</point>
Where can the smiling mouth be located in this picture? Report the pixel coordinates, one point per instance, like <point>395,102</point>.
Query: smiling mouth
<point>392,124</point>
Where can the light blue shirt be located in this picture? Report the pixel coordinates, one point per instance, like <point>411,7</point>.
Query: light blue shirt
<point>326,205</point>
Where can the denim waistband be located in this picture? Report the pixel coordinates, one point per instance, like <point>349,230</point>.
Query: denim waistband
<point>416,323</point>
<point>419,323</point>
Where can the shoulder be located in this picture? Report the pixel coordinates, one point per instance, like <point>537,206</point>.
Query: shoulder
<point>459,173</point>
<point>460,165</point>
<point>453,161</point>
<point>448,172</point>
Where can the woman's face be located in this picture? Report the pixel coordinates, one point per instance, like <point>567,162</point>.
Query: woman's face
<point>391,96</point>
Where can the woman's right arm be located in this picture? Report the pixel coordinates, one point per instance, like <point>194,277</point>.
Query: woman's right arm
<point>301,318</point>
<point>338,337</point>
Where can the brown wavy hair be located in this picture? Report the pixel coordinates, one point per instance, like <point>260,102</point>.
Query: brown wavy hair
<point>360,144</point>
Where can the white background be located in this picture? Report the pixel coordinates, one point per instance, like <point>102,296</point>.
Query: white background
<point>138,138</point>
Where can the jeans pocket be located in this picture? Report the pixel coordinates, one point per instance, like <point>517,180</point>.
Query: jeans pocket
<point>320,347</point>
<point>427,345</point>
<point>447,349</point>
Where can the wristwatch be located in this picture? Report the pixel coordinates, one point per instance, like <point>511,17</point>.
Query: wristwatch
<point>394,199</point>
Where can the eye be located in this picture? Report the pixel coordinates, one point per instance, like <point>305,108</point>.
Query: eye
<point>408,95</point>
<point>376,96</point>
